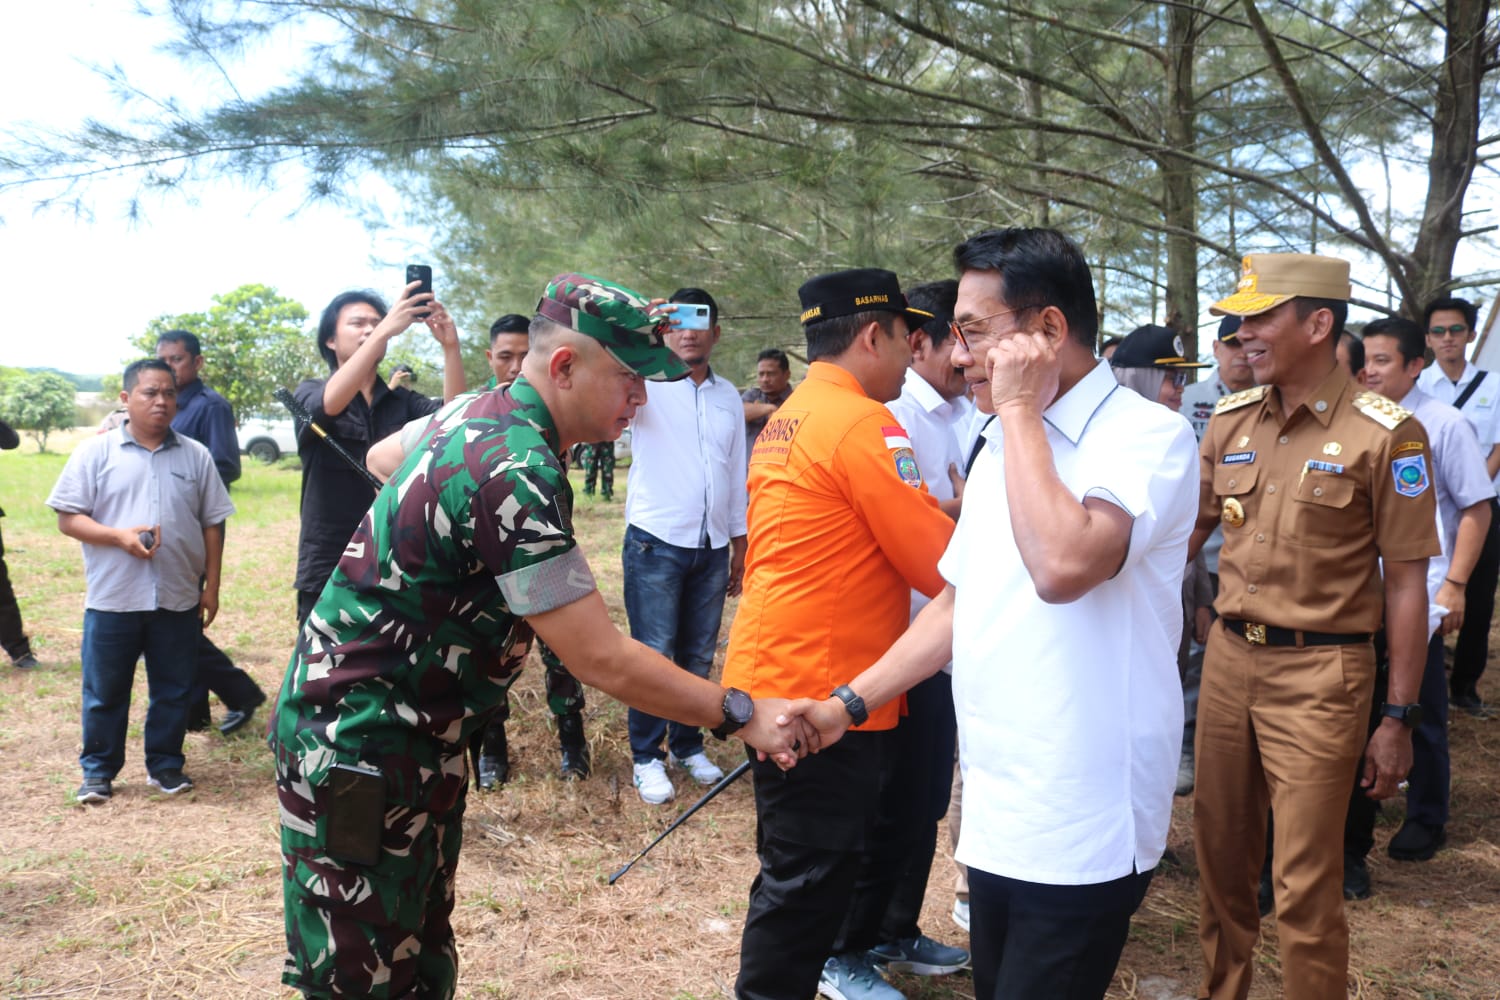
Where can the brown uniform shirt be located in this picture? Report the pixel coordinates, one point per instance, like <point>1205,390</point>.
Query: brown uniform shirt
<point>1319,500</point>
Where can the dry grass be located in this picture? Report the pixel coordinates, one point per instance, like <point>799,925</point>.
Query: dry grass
<point>148,897</point>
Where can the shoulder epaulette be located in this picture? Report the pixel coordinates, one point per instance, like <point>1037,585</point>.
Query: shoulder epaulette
<point>1235,400</point>
<point>1381,410</point>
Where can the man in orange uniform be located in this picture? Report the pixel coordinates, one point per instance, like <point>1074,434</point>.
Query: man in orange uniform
<point>841,529</point>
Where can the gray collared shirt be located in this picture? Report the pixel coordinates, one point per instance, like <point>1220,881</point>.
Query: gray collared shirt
<point>119,483</point>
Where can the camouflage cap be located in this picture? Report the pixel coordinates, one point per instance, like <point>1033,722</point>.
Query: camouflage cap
<point>617,318</point>
<point>1269,279</point>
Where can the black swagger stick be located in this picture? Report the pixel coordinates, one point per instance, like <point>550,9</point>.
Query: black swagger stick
<point>299,412</point>
<point>724,783</point>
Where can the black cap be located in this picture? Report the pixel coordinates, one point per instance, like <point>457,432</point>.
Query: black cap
<point>864,289</point>
<point>1229,329</point>
<point>1152,347</point>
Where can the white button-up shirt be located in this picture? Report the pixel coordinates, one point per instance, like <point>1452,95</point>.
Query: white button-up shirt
<point>687,464</point>
<point>1481,409</point>
<point>1070,715</point>
<point>1460,478</point>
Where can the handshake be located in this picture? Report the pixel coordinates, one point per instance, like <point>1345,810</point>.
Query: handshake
<point>801,726</point>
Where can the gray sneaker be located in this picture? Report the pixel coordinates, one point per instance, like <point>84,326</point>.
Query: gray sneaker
<point>854,977</point>
<point>170,782</point>
<point>95,790</point>
<point>921,956</point>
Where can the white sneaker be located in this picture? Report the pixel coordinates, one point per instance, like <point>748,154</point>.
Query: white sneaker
<point>961,913</point>
<point>652,782</point>
<point>703,770</point>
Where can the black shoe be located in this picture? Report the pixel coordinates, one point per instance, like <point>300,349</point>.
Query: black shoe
<point>1472,704</point>
<point>493,772</point>
<point>238,718</point>
<point>199,720</point>
<point>1356,878</point>
<point>1416,841</point>
<point>1265,895</point>
<point>170,782</point>
<point>95,790</point>
<point>26,662</point>
<point>575,748</point>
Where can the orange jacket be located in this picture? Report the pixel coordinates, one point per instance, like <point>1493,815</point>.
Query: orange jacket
<point>842,529</point>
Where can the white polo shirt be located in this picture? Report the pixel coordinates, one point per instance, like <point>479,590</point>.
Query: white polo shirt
<point>687,464</point>
<point>1070,715</point>
<point>1481,409</point>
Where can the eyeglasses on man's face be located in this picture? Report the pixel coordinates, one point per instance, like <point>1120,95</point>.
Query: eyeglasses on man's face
<point>1452,330</point>
<point>964,338</point>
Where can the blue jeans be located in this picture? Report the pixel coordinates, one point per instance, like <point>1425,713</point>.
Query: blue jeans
<point>112,642</point>
<point>674,598</point>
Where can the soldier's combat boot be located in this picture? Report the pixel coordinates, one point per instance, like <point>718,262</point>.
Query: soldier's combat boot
<point>494,758</point>
<point>575,749</point>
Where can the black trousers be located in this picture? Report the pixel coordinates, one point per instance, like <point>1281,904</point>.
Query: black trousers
<point>12,635</point>
<point>1061,942</point>
<point>812,830</point>
<point>1427,796</point>
<point>1472,649</point>
<point>892,883</point>
<point>217,673</point>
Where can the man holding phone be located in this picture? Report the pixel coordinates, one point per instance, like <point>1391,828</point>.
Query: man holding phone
<point>356,408</point>
<point>684,546</point>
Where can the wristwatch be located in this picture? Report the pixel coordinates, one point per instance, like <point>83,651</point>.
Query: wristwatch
<point>1410,715</point>
<point>738,708</point>
<point>853,702</point>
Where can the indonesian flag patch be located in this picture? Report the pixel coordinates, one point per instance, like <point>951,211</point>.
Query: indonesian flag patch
<point>899,442</point>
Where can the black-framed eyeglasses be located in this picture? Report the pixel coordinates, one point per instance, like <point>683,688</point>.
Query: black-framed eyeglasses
<point>1452,330</point>
<point>958,331</point>
<point>1180,379</point>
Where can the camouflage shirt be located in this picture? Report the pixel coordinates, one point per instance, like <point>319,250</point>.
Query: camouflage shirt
<point>419,631</point>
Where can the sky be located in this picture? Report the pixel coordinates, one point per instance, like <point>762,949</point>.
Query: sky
<point>95,282</point>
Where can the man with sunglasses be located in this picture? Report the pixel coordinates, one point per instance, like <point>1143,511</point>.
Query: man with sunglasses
<point>1452,379</point>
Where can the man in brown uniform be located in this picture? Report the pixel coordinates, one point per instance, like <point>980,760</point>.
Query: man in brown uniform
<point>1315,482</point>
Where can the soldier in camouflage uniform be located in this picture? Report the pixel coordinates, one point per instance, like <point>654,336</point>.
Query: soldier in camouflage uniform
<point>599,462</point>
<point>424,623</point>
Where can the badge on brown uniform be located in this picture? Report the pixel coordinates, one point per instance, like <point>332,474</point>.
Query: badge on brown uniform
<point>1244,440</point>
<point>1333,448</point>
<point>1234,512</point>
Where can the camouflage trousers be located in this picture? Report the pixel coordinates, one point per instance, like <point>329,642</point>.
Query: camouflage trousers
<point>564,697</point>
<point>599,462</point>
<point>564,693</point>
<point>381,931</point>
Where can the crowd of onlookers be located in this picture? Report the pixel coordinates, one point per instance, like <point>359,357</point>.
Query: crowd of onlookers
<point>1134,605</point>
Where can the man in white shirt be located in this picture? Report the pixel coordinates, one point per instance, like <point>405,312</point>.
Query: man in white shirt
<point>684,547</point>
<point>1068,558</point>
<point>1450,324</point>
<point>1393,358</point>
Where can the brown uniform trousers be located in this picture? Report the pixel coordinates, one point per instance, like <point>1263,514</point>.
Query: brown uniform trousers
<point>1308,507</point>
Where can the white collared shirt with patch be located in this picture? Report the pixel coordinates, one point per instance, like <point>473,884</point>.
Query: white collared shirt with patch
<point>1481,409</point>
<point>687,465</point>
<point>1070,715</point>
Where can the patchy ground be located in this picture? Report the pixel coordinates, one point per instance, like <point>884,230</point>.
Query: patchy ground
<point>151,897</point>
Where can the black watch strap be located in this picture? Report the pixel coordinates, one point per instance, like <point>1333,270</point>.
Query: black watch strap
<point>738,707</point>
<point>853,702</point>
<point>1410,716</point>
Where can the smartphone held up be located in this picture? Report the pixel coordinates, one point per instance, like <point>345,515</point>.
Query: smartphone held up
<point>421,273</point>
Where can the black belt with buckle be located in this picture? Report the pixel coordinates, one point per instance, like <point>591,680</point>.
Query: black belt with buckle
<point>1269,635</point>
